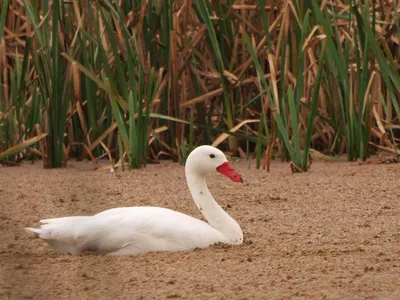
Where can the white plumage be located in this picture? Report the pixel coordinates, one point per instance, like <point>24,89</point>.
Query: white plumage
<point>132,230</point>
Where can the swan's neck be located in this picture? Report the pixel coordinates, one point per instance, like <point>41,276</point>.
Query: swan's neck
<point>210,209</point>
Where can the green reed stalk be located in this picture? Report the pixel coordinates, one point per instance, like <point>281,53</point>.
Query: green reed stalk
<point>203,11</point>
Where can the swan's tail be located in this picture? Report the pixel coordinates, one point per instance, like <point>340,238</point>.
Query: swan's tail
<point>35,231</point>
<point>58,233</point>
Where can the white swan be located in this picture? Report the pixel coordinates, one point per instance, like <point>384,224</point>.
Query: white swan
<point>133,230</point>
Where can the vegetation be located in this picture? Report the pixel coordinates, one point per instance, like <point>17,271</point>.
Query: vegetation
<point>136,80</point>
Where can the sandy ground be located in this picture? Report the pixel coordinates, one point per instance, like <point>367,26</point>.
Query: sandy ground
<point>332,233</point>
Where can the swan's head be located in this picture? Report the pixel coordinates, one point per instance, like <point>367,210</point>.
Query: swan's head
<point>205,159</point>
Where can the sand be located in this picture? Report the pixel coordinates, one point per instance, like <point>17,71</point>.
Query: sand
<point>331,233</point>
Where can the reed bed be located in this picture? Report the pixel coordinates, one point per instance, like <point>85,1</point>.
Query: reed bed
<point>138,80</point>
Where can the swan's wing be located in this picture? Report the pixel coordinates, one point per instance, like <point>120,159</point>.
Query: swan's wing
<point>142,229</point>
<point>164,230</point>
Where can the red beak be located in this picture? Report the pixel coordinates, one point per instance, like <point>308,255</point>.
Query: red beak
<point>228,171</point>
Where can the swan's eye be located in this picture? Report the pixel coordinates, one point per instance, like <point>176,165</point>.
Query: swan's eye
<point>212,156</point>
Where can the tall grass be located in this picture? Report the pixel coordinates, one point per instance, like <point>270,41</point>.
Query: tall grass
<point>138,80</point>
